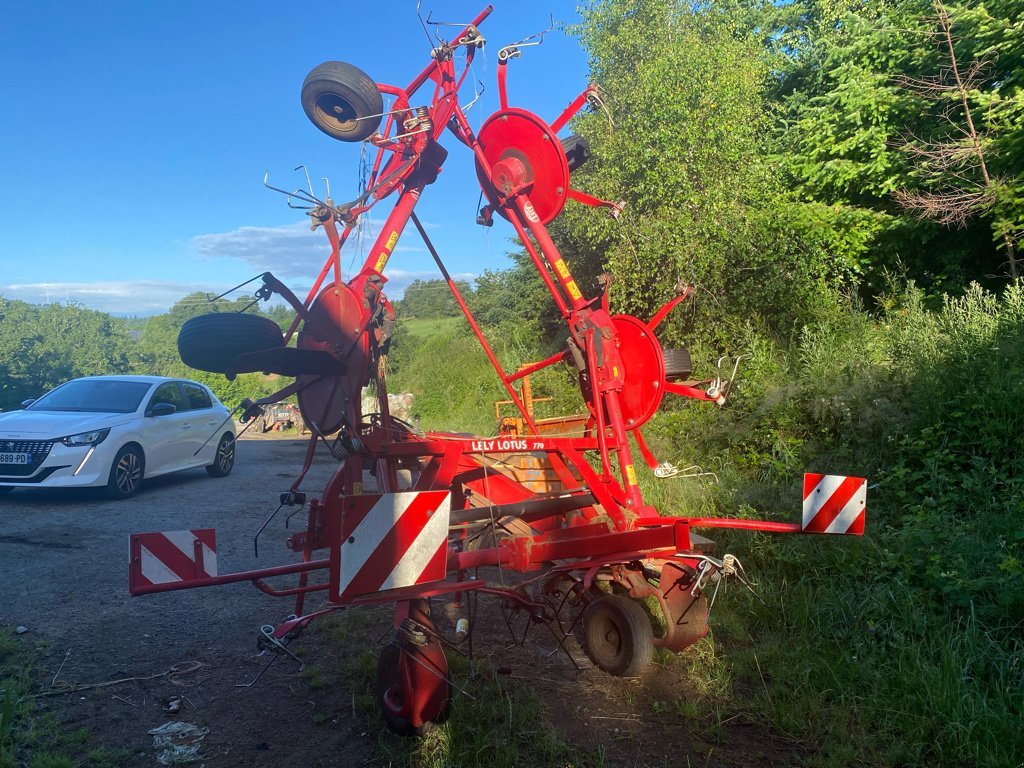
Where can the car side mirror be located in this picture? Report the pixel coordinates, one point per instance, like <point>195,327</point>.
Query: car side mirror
<point>27,403</point>
<point>161,409</point>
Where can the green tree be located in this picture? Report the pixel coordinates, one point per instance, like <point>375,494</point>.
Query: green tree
<point>43,346</point>
<point>158,350</point>
<point>687,147</point>
<point>846,118</point>
<point>432,298</point>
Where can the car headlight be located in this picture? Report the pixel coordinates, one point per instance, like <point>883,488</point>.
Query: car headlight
<point>95,437</point>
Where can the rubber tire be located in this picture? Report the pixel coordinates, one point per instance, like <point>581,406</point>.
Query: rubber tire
<point>336,90</point>
<point>212,342</point>
<point>134,464</point>
<point>389,675</point>
<point>677,363</point>
<point>224,458</point>
<point>617,635</point>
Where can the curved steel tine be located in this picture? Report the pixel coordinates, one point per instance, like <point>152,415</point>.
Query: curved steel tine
<point>476,96</point>
<point>512,51</point>
<point>308,182</point>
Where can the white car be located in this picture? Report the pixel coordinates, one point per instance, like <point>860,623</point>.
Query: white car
<point>114,431</point>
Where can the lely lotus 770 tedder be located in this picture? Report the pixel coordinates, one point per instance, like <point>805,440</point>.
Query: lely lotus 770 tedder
<point>548,519</point>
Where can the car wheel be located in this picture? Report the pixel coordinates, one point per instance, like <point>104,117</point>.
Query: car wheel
<point>126,473</point>
<point>224,459</point>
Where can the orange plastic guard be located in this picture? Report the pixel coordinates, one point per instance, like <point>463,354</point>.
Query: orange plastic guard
<point>171,557</point>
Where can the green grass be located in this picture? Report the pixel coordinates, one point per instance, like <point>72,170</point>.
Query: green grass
<point>904,648</point>
<point>501,724</point>
<point>30,737</point>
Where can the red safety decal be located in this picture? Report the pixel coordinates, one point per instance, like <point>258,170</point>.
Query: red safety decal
<point>392,540</point>
<point>834,504</point>
<point>173,556</point>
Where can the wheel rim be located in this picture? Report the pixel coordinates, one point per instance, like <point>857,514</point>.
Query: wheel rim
<point>609,640</point>
<point>226,455</point>
<point>128,473</point>
<point>335,109</point>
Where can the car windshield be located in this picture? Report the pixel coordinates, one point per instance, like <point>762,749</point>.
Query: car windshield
<point>94,396</point>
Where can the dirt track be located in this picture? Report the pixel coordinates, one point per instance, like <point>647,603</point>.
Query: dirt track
<point>64,557</point>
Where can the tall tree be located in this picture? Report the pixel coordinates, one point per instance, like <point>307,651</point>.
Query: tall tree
<point>845,116</point>
<point>685,142</point>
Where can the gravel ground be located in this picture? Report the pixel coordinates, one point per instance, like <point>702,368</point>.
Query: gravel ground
<point>64,557</point>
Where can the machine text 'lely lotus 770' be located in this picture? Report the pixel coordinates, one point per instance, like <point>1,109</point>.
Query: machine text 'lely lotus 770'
<point>409,516</point>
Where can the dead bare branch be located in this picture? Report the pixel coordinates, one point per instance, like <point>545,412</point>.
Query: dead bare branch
<point>951,208</point>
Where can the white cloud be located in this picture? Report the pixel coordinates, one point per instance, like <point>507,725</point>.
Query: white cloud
<point>291,250</point>
<point>153,297</point>
<point>138,297</point>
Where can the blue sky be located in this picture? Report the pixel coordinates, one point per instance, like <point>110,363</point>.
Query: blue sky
<point>134,137</point>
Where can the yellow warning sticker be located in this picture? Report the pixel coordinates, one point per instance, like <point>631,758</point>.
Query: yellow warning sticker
<point>630,474</point>
<point>390,246</point>
<point>573,290</point>
<point>562,269</point>
<point>381,261</point>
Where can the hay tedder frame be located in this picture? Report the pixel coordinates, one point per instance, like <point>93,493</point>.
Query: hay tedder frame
<point>548,517</point>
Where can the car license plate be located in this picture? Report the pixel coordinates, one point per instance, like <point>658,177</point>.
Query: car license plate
<point>15,458</point>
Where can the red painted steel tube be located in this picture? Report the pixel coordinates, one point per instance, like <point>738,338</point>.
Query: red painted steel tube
<point>423,76</point>
<point>391,231</point>
<point>569,112</point>
<point>502,84</point>
<point>233,578</point>
<point>549,249</point>
<point>747,525</point>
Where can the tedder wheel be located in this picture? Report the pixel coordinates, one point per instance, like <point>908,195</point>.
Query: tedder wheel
<point>342,101</point>
<point>224,459</point>
<point>677,363</point>
<point>211,342</point>
<point>617,635</point>
<point>391,696</point>
<point>126,473</point>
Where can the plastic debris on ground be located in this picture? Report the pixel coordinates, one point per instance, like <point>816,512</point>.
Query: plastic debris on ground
<point>178,743</point>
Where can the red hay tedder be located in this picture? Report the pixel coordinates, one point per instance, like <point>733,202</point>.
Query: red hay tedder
<point>409,516</point>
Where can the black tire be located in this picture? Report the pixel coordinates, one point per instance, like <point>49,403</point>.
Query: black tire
<point>617,635</point>
<point>224,458</point>
<point>677,363</point>
<point>342,101</point>
<point>126,473</point>
<point>211,342</point>
<point>389,686</point>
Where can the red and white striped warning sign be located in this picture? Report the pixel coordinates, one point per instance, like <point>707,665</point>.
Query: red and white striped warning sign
<point>391,540</point>
<point>172,556</point>
<point>834,504</point>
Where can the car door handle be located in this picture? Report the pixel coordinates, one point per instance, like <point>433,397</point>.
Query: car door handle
<point>186,426</point>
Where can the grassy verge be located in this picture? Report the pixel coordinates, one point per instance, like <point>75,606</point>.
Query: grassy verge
<point>501,723</point>
<point>905,648</point>
<point>29,736</point>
